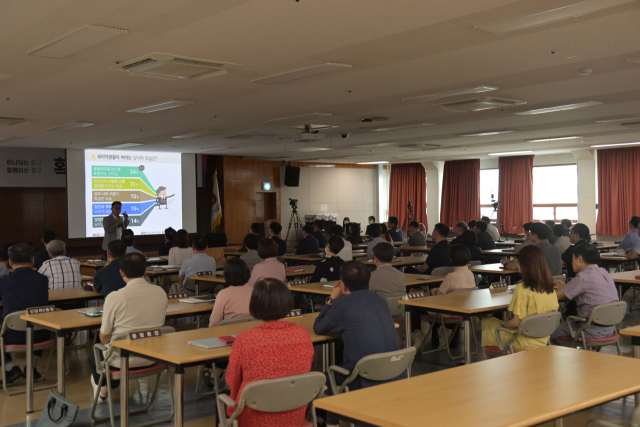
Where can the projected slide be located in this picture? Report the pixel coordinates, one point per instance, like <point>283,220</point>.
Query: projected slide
<point>148,184</point>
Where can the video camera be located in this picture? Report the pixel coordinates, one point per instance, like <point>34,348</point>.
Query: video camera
<point>293,203</point>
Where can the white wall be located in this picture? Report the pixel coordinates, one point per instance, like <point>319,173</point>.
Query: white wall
<point>587,184</point>
<point>351,193</point>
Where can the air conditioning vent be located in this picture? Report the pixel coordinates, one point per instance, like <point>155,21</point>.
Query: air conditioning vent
<point>8,121</point>
<point>634,124</point>
<point>175,67</point>
<point>479,104</point>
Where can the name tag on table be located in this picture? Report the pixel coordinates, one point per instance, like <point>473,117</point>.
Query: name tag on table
<point>298,282</point>
<point>294,313</point>
<point>38,310</point>
<point>361,258</point>
<point>204,273</point>
<point>149,333</point>
<point>415,295</point>
<point>151,255</point>
<point>229,250</point>
<point>498,287</point>
<point>177,296</point>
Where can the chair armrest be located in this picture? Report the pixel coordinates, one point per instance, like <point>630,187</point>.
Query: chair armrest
<point>585,323</point>
<point>226,400</point>
<point>332,378</point>
<point>223,400</point>
<point>97,348</point>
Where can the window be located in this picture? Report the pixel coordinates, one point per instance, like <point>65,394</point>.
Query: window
<point>488,188</point>
<point>555,192</point>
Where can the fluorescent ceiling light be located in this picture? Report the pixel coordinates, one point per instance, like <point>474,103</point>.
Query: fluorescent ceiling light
<point>383,162</point>
<point>615,145</point>
<point>509,153</point>
<point>301,73</point>
<point>10,139</point>
<point>559,108</point>
<point>379,144</point>
<point>490,133</point>
<point>301,116</point>
<point>71,126</point>
<point>194,134</point>
<point>159,106</point>
<point>363,155</point>
<point>127,145</point>
<point>322,166</point>
<point>560,138</point>
<point>430,97</point>
<point>77,41</point>
<point>417,125</point>
<point>550,16</point>
<point>311,149</point>
<point>618,120</point>
<point>636,61</point>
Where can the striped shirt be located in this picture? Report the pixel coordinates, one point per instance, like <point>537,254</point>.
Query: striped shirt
<point>62,272</point>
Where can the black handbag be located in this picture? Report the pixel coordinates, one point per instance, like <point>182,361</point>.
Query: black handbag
<point>57,412</point>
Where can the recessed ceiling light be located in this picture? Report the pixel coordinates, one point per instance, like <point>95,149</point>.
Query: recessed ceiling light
<point>550,16</point>
<point>509,153</point>
<point>489,133</point>
<point>430,97</point>
<point>127,145</point>
<point>311,149</point>
<point>159,106</point>
<point>615,145</point>
<point>559,108</point>
<point>301,73</point>
<point>618,120</point>
<point>379,144</point>
<point>71,126</point>
<point>383,162</point>
<point>560,138</point>
<point>194,134</point>
<point>301,116</point>
<point>416,125</point>
<point>77,41</point>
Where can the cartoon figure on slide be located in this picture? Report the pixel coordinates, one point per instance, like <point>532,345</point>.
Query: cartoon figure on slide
<point>161,197</point>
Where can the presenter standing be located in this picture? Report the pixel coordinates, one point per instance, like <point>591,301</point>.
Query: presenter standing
<point>114,224</point>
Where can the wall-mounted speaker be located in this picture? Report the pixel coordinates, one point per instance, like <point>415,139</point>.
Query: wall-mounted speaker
<point>291,176</point>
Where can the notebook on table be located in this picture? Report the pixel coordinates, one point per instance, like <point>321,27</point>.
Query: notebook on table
<point>214,342</point>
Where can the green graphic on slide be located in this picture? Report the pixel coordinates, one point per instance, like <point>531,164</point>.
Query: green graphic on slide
<point>120,172</point>
<point>121,184</point>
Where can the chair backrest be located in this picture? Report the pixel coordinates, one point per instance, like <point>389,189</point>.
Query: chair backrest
<point>385,366</point>
<point>216,253</point>
<point>561,278</point>
<point>609,314</point>
<point>442,271</point>
<point>283,394</point>
<point>236,320</point>
<point>396,308</point>
<point>540,325</point>
<point>13,322</point>
<point>475,263</point>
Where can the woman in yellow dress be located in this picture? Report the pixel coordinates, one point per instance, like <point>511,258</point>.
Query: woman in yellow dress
<point>534,295</point>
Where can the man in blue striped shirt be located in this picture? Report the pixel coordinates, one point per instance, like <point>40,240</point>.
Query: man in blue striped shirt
<point>62,271</point>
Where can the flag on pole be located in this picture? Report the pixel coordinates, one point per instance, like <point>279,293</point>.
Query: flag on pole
<point>216,207</point>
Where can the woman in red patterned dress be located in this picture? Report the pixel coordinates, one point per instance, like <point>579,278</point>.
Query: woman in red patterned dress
<point>275,349</point>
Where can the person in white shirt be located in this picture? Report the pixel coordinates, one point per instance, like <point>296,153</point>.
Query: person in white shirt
<point>127,237</point>
<point>200,261</point>
<point>346,254</point>
<point>562,241</point>
<point>181,250</point>
<point>461,277</point>
<point>62,271</point>
<point>491,229</point>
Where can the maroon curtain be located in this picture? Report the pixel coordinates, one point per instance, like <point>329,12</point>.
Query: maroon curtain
<point>408,182</point>
<point>515,192</point>
<point>618,176</point>
<point>460,191</point>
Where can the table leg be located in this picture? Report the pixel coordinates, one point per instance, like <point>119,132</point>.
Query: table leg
<point>407,328</point>
<point>29,368</point>
<point>332,354</point>
<point>124,389</point>
<point>557,422</point>
<point>179,396</point>
<point>508,280</point>
<point>619,291</point>
<point>467,340</point>
<point>61,367</point>
<point>636,354</point>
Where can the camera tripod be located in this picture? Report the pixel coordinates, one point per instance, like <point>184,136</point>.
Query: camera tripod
<point>295,220</point>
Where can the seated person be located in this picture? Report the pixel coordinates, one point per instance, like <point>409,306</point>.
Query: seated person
<point>527,238</point>
<point>439,255</point>
<point>551,223</point>
<point>199,262</point>
<point>395,233</point>
<point>22,289</point>
<point>375,239</point>
<point>579,235</point>
<point>355,237</point>
<point>270,267</point>
<point>318,233</point>
<point>308,245</point>
<point>539,233</point>
<point>169,233</point>
<point>127,238</point>
<point>470,240</point>
<point>416,238</point>
<point>181,250</point>
<point>254,228</point>
<point>370,221</point>
<point>472,224</point>
<point>42,255</point>
<point>385,279</point>
<point>461,277</point>
<point>274,229</point>
<point>233,300</point>
<point>284,349</point>
<point>562,241</point>
<point>108,279</point>
<point>491,229</point>
<point>362,318</point>
<point>4,271</point>
<point>592,286</point>
<point>460,228</point>
<point>329,268</point>
<point>485,240</point>
<point>631,240</point>
<point>62,271</point>
<point>566,223</point>
<point>534,295</point>
<point>346,254</point>
<point>384,233</point>
<point>251,257</point>
<point>122,314</point>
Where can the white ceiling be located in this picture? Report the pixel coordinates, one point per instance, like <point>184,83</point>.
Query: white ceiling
<point>397,49</point>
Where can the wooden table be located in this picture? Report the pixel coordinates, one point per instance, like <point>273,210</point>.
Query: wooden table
<point>95,266</point>
<point>173,350</point>
<point>496,268</point>
<point>411,249</point>
<point>305,270</point>
<point>324,288</point>
<point>365,244</point>
<point>465,304</point>
<point>309,258</point>
<point>500,252</point>
<point>70,294</point>
<point>606,245</point>
<point>626,278</point>
<point>551,382</point>
<point>402,261</point>
<point>507,243</point>
<point>65,321</point>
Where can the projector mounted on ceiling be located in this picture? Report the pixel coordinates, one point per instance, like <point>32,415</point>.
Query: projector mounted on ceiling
<point>309,135</point>
<point>479,104</point>
<point>174,67</point>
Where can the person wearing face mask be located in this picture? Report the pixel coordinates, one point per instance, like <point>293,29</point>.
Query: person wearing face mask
<point>372,221</point>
